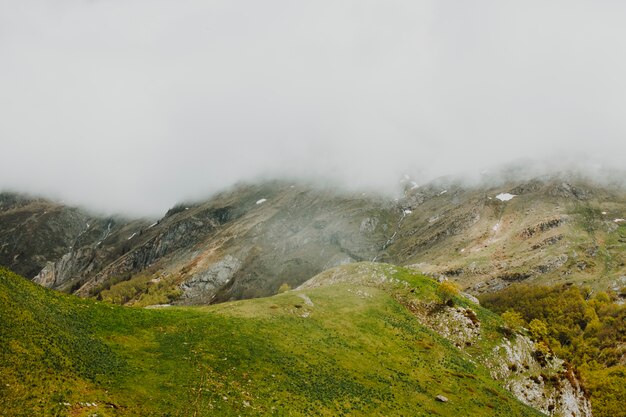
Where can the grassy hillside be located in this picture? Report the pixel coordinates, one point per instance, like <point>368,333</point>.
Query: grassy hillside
<point>344,349</point>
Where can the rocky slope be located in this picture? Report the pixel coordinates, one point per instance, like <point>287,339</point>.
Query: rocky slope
<point>248,241</point>
<point>240,244</point>
<point>35,232</point>
<point>547,230</point>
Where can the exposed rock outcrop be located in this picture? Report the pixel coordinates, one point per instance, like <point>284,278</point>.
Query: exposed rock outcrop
<point>203,286</point>
<point>548,387</point>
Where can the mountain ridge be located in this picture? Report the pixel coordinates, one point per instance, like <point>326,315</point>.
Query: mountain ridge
<point>249,240</point>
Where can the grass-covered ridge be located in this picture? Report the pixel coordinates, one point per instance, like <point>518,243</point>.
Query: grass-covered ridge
<point>344,349</point>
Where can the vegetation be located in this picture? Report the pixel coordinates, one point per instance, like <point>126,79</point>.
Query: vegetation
<point>513,320</point>
<point>447,290</point>
<point>142,290</point>
<point>353,350</point>
<point>590,218</point>
<point>284,288</point>
<point>589,330</point>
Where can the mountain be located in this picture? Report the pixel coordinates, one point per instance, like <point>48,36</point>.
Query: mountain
<point>36,231</point>
<point>256,240</point>
<point>548,230</point>
<point>359,339</point>
<point>248,241</point>
<point>242,243</point>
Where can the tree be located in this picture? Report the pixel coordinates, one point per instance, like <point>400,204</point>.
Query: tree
<point>538,329</point>
<point>513,320</point>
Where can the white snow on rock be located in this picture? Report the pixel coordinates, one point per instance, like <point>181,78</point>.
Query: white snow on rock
<point>407,211</point>
<point>132,236</point>
<point>153,224</point>
<point>604,212</point>
<point>505,196</point>
<point>619,220</point>
<point>261,201</point>
<point>443,192</point>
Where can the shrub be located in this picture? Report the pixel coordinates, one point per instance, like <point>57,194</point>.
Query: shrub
<point>446,291</point>
<point>284,288</point>
<point>513,320</point>
<point>538,329</point>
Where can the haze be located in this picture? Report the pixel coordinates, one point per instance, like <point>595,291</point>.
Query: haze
<point>132,106</point>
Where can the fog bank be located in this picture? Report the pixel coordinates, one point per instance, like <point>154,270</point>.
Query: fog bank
<point>132,106</point>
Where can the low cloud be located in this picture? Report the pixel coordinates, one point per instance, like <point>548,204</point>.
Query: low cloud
<point>132,106</point>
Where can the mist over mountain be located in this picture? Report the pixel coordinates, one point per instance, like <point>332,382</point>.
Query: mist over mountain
<point>134,106</point>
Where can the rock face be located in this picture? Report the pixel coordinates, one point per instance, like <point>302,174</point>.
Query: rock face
<point>548,387</point>
<point>198,287</point>
<point>36,232</point>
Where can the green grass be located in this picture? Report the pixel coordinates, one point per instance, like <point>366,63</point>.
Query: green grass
<point>356,351</point>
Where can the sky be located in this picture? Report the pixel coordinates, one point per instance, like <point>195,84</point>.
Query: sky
<point>134,105</point>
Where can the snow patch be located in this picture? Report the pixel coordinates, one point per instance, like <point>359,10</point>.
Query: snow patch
<point>153,224</point>
<point>261,201</point>
<point>619,220</point>
<point>505,196</point>
<point>408,211</point>
<point>443,192</point>
<point>132,236</point>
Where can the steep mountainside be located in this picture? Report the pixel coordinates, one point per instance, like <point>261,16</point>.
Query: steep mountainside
<point>35,231</point>
<point>240,244</point>
<point>362,339</point>
<point>250,240</point>
<point>544,231</point>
